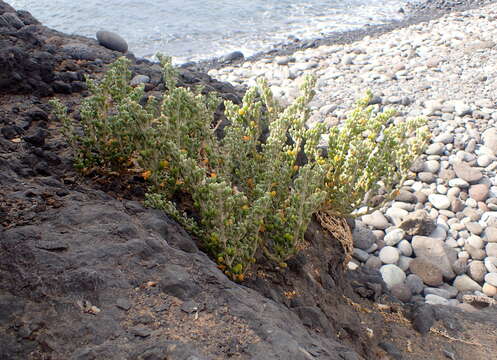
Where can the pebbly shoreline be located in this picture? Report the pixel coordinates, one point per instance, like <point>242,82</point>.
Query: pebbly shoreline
<point>416,12</point>
<point>437,242</point>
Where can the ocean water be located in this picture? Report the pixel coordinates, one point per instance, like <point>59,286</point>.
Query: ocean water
<point>201,29</point>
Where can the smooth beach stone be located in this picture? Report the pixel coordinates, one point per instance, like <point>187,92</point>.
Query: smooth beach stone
<point>477,270</point>
<point>389,255</point>
<point>484,160</point>
<point>490,139</point>
<point>428,272</point>
<point>465,283</point>
<point>374,262</point>
<point>460,266</point>
<point>405,248</point>
<point>377,220</point>
<point>435,251</point>
<point>479,192</point>
<point>489,290</point>
<point>435,149</point>
<point>139,79</point>
<point>474,228</point>
<point>439,201</point>
<point>491,264</point>
<point>435,300</point>
<point>467,172</point>
<point>360,255</point>
<point>426,177</point>
<point>394,236</point>
<point>415,283</point>
<point>392,275</point>
<point>491,249</point>
<point>431,166</point>
<point>112,41</point>
<point>491,278</point>
<point>475,241</point>
<point>437,291</point>
<point>491,234</point>
<point>404,262</point>
<point>362,237</point>
<point>401,292</point>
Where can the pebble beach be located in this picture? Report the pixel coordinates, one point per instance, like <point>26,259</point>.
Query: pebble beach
<point>437,241</point>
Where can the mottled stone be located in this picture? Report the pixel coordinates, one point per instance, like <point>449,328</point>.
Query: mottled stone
<point>427,271</point>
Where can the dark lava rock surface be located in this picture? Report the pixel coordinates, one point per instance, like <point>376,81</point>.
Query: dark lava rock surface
<point>86,272</point>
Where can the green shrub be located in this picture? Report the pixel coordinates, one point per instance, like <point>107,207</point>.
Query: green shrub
<point>248,191</point>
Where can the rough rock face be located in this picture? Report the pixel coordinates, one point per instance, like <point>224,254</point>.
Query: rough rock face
<point>86,272</point>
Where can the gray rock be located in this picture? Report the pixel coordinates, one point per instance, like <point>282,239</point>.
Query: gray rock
<point>401,292</point>
<point>439,201</point>
<point>376,220</point>
<point>431,166</point>
<point>360,255</point>
<point>405,248</point>
<point>139,79</point>
<point>435,149</point>
<point>491,278</point>
<point>475,228</point>
<point>491,249</point>
<point>465,283</point>
<point>392,275</point>
<point>460,266</point>
<point>415,283</point>
<point>491,234</point>
<point>426,177</point>
<point>393,237</point>
<point>112,41</point>
<point>406,196</point>
<point>458,182</point>
<point>362,236</point>
<point>374,262</point>
<point>491,264</point>
<point>232,56</point>
<point>435,251</point>
<point>404,262</point>
<point>467,172</point>
<point>436,300</point>
<point>490,139</point>
<point>389,255</point>
<point>477,270</point>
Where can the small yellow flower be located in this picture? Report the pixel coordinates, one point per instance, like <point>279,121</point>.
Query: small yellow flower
<point>246,138</point>
<point>295,167</point>
<point>179,182</point>
<point>146,174</point>
<point>337,158</point>
<point>164,164</point>
<point>253,124</point>
<point>272,193</point>
<point>321,161</point>
<point>245,207</point>
<point>213,175</point>
<point>241,112</point>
